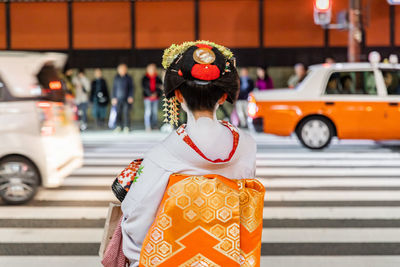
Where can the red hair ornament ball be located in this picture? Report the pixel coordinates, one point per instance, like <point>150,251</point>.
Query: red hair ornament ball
<point>205,72</point>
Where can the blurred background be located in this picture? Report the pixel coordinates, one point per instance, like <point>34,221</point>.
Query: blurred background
<point>273,34</point>
<point>81,95</point>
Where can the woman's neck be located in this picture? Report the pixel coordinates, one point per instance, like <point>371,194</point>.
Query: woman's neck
<point>193,116</point>
<point>210,136</point>
<point>204,113</point>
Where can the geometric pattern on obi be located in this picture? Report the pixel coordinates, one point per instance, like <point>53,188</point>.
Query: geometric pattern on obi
<point>206,221</point>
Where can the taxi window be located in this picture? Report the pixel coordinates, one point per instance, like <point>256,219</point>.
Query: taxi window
<point>351,83</point>
<point>392,81</point>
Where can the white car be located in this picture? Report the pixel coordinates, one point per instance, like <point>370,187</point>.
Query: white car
<point>40,140</point>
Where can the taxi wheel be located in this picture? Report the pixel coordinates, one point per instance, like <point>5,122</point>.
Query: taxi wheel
<point>315,132</point>
<point>19,180</point>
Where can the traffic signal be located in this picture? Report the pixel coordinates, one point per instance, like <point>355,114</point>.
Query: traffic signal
<point>322,12</point>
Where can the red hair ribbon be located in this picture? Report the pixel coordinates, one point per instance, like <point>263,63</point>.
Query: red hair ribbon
<point>204,46</point>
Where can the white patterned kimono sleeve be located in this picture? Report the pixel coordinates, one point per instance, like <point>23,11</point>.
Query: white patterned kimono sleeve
<point>140,207</point>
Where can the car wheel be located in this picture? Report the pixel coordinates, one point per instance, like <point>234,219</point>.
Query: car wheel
<point>19,180</point>
<point>315,132</point>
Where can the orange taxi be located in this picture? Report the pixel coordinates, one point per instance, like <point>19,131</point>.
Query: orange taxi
<point>347,100</point>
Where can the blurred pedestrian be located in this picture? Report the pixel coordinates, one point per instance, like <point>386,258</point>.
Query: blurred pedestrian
<point>82,87</point>
<point>298,76</point>
<point>69,88</point>
<point>347,85</point>
<point>330,60</point>
<point>224,112</point>
<point>264,81</point>
<point>246,86</point>
<point>67,79</point>
<point>152,86</point>
<point>122,98</point>
<point>391,82</point>
<point>99,98</point>
<point>332,86</point>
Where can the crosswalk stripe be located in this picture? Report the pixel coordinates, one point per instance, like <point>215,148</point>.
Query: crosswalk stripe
<point>269,182</point>
<point>101,171</point>
<point>268,172</point>
<point>20,212</point>
<point>269,189</point>
<point>82,181</point>
<point>269,203</point>
<point>348,181</point>
<point>331,223</point>
<point>328,172</point>
<point>58,235</point>
<point>327,163</point>
<point>59,249</point>
<point>331,213</point>
<point>332,203</point>
<point>69,203</point>
<point>126,156</point>
<point>274,163</point>
<point>125,151</point>
<point>329,249</point>
<point>7,212</point>
<point>267,249</point>
<point>83,195</point>
<point>271,155</point>
<point>89,187</point>
<point>338,195</point>
<point>299,195</point>
<point>334,261</point>
<point>287,261</point>
<point>329,235</point>
<point>273,235</point>
<point>52,223</point>
<point>40,261</point>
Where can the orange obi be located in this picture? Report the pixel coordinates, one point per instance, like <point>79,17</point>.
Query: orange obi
<point>206,221</point>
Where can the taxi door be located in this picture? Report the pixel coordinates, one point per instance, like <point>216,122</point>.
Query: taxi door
<point>353,103</point>
<point>391,80</point>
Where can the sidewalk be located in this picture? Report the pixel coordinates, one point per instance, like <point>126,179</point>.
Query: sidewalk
<point>109,135</point>
<point>156,135</point>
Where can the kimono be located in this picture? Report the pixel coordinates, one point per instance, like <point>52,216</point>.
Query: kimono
<point>202,147</point>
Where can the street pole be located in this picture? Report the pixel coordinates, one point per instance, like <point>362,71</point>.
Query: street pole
<point>355,31</point>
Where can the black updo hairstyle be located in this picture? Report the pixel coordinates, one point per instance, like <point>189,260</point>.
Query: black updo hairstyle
<point>201,95</point>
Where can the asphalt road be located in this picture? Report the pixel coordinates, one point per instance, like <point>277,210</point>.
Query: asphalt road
<point>337,207</point>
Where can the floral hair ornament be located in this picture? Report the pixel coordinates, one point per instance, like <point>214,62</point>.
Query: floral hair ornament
<point>172,52</point>
<point>171,110</point>
<point>204,70</point>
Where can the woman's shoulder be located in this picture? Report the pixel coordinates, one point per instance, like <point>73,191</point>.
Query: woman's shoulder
<point>161,154</point>
<point>247,142</point>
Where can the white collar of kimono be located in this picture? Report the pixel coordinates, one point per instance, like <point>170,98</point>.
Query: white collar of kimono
<point>213,139</point>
